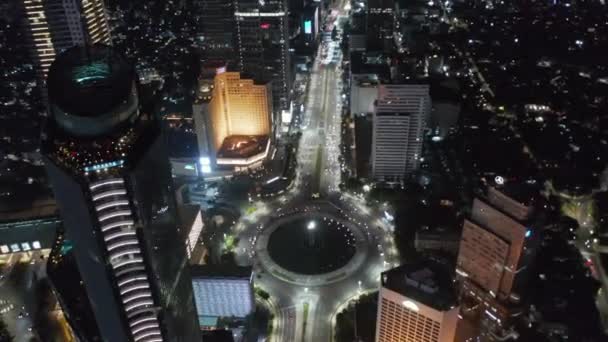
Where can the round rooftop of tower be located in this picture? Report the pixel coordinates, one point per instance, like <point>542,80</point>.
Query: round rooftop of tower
<point>91,90</point>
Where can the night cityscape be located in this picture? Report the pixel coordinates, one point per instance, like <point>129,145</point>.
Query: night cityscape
<point>303,171</point>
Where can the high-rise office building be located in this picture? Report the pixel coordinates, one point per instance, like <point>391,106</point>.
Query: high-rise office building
<point>110,175</point>
<point>417,303</point>
<point>216,29</point>
<point>495,250</point>
<point>399,121</point>
<point>56,25</point>
<point>233,121</point>
<point>380,25</point>
<point>263,46</point>
<point>490,249</point>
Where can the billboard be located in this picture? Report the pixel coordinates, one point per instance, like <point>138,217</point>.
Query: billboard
<point>308,26</point>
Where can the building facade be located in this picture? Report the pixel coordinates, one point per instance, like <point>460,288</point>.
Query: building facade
<point>496,248</point>
<point>399,120</point>
<point>234,121</point>
<point>416,303</point>
<point>111,178</point>
<point>222,291</point>
<point>490,249</point>
<point>216,29</point>
<point>380,25</point>
<point>56,25</point>
<point>262,37</point>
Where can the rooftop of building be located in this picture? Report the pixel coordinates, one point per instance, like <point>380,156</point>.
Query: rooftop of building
<point>38,209</point>
<point>366,79</point>
<point>221,271</point>
<point>370,63</point>
<point>242,146</point>
<point>522,192</point>
<point>90,81</point>
<point>217,335</point>
<point>427,281</point>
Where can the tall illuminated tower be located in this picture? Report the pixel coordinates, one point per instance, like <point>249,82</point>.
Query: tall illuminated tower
<point>263,46</point>
<point>56,25</point>
<point>111,178</point>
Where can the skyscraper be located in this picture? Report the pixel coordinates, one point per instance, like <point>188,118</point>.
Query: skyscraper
<point>380,23</point>
<point>495,250</point>
<point>110,175</point>
<point>490,249</point>
<point>216,29</point>
<point>399,120</point>
<point>56,25</point>
<point>263,46</point>
<point>417,303</point>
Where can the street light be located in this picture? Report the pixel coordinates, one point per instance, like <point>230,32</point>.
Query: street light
<point>311,225</point>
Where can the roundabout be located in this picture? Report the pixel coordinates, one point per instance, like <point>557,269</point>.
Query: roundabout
<point>311,248</point>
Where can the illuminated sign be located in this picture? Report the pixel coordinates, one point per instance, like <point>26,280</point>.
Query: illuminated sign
<point>104,166</point>
<point>308,27</point>
<point>388,216</point>
<point>205,163</point>
<point>265,26</point>
<point>408,304</point>
<point>91,72</point>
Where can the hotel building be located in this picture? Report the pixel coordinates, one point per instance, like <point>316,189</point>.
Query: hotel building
<point>234,121</point>
<point>417,303</point>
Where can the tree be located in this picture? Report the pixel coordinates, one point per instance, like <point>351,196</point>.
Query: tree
<point>5,336</point>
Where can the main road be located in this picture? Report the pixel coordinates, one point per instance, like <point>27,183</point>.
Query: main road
<point>314,299</point>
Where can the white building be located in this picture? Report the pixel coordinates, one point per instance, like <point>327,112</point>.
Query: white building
<point>399,120</point>
<point>56,25</point>
<point>416,303</point>
<point>222,291</point>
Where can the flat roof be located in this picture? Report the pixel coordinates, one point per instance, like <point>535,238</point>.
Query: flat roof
<point>519,191</point>
<point>221,271</point>
<point>428,281</point>
<point>90,81</point>
<point>40,208</point>
<point>242,146</point>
